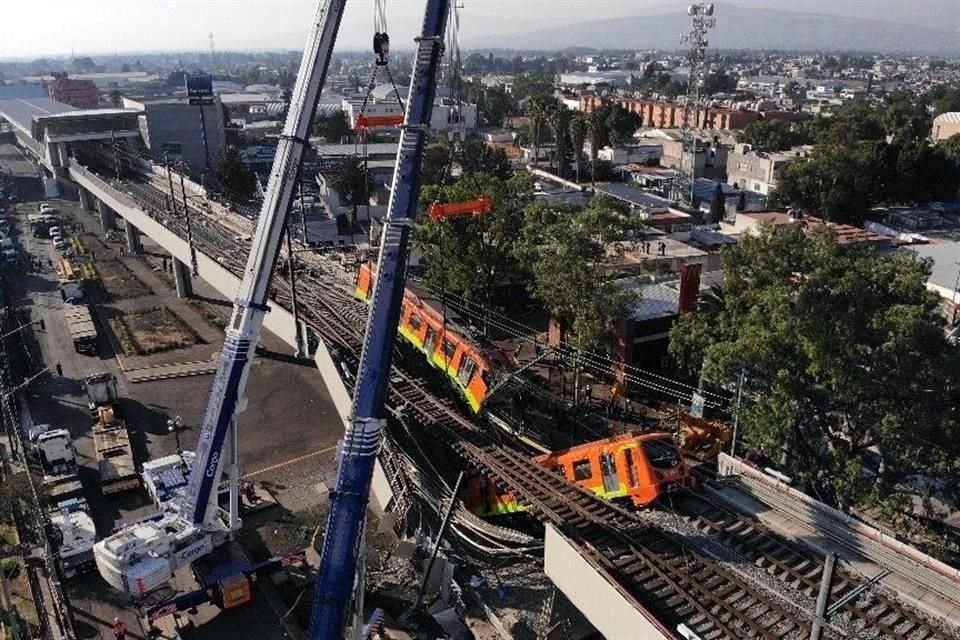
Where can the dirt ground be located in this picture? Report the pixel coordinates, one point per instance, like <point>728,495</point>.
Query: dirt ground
<point>148,331</point>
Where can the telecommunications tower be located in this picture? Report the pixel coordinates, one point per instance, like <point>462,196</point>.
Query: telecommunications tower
<point>701,21</point>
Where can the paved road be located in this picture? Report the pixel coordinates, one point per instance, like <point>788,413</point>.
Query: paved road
<point>288,433</point>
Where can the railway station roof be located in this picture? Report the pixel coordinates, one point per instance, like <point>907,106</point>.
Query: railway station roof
<point>43,118</point>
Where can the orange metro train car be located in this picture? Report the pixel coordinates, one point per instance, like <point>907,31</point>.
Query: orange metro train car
<point>423,323</point>
<point>641,467</point>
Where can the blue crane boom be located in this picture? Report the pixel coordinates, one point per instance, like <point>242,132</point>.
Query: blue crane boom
<point>348,505</point>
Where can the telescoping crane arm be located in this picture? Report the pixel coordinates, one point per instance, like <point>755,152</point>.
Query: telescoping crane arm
<point>361,442</point>
<point>226,397</point>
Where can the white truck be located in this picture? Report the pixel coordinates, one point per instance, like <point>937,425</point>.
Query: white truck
<point>53,452</point>
<point>75,536</point>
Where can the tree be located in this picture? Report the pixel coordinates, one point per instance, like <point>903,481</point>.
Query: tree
<point>354,183</point>
<point>473,257</point>
<point>622,124</point>
<point>578,136</point>
<point>497,105</point>
<point>851,386</point>
<point>476,156</point>
<point>774,135</point>
<point>839,182</point>
<point>558,118</point>
<point>719,82</point>
<point>597,130</point>
<point>563,247</point>
<point>532,85</point>
<point>538,110</point>
<point>906,118</point>
<point>231,176</point>
<point>334,126</point>
<point>718,205</point>
<point>436,162</point>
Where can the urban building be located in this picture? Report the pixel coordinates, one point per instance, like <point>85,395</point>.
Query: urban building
<point>199,131</point>
<point>669,115</point>
<point>710,159</point>
<point>945,125</point>
<point>82,94</point>
<point>756,170</point>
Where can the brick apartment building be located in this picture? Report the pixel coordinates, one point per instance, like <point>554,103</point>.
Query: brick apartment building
<point>82,94</point>
<point>669,115</point>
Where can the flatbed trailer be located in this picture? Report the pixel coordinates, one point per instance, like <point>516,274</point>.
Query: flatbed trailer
<point>111,441</point>
<point>83,331</point>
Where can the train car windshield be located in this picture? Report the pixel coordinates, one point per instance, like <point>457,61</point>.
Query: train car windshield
<point>663,454</point>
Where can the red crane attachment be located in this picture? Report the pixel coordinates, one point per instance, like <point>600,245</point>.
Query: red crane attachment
<point>364,121</point>
<point>477,207</point>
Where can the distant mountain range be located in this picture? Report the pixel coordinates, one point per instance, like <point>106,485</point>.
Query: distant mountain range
<point>741,27</point>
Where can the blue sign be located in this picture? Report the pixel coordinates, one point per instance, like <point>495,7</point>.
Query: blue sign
<point>199,88</point>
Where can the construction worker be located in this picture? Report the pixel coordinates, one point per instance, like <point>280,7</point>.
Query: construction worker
<point>119,629</point>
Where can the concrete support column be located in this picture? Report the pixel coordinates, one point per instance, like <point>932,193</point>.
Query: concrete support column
<point>108,219</point>
<point>84,199</point>
<point>133,238</point>
<point>62,155</point>
<point>181,275</point>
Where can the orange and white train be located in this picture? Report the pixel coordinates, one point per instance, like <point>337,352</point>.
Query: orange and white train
<point>438,334</point>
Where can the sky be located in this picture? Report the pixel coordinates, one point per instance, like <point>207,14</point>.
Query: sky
<point>89,27</point>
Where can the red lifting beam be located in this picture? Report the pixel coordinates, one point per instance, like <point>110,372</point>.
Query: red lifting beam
<point>369,122</point>
<point>443,210</point>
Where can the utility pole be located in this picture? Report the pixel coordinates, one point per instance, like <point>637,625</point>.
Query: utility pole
<point>116,152</point>
<point>303,213</point>
<point>819,616</point>
<point>436,544</point>
<point>736,413</point>
<point>173,199</point>
<point>293,297</point>
<point>186,213</point>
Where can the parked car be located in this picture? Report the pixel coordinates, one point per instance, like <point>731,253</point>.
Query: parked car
<point>59,243</point>
<point>53,231</point>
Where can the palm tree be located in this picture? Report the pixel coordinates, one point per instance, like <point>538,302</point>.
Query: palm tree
<point>596,128</point>
<point>578,135</point>
<point>353,183</point>
<point>558,117</point>
<point>537,112</point>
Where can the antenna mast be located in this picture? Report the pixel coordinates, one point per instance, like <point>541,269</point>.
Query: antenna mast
<point>701,21</point>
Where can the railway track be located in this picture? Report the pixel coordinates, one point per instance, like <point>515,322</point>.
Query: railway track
<point>682,585</point>
<point>871,614</point>
<point>659,570</point>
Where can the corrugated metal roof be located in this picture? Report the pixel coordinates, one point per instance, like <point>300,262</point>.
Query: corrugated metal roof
<point>951,117</point>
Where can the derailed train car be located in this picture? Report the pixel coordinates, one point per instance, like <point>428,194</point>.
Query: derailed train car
<point>439,335</point>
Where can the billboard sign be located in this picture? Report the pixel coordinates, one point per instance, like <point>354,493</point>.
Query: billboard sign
<point>172,148</point>
<point>199,88</point>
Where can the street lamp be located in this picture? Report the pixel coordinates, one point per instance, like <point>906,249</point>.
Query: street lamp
<point>175,426</point>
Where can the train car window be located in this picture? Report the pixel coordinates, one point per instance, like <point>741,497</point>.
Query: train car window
<point>582,470</point>
<point>415,322</point>
<point>631,467</point>
<point>449,348</point>
<point>430,340</point>
<point>466,371</point>
<point>663,454</point>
